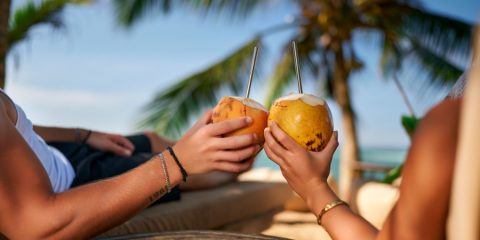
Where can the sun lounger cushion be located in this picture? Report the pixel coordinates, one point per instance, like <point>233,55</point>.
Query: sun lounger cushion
<point>208,209</point>
<point>375,200</point>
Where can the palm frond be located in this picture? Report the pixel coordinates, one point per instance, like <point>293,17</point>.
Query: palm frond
<point>283,74</point>
<point>439,71</point>
<point>32,14</point>
<point>172,108</point>
<point>284,71</point>
<point>391,58</point>
<point>445,36</point>
<point>233,9</point>
<point>130,12</point>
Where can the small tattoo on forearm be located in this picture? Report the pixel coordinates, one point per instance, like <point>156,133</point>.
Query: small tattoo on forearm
<point>155,196</point>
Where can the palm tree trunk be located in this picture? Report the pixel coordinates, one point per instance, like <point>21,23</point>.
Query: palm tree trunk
<point>4,16</point>
<point>350,150</point>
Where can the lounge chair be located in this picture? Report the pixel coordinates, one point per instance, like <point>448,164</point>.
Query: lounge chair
<point>245,206</point>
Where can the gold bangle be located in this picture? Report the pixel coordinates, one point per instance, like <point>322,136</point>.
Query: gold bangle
<point>329,207</point>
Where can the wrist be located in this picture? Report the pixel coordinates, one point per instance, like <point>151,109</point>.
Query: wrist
<point>174,173</point>
<point>318,196</point>
<point>81,135</point>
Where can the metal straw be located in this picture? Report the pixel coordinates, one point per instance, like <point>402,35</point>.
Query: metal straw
<point>252,69</point>
<point>297,69</point>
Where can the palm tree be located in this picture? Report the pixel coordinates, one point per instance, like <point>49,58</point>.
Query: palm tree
<point>4,15</point>
<point>24,19</point>
<point>409,35</point>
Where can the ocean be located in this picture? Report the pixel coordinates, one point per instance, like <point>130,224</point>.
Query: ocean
<point>390,157</point>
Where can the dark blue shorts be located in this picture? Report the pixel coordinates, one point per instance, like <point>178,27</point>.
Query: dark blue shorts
<point>91,164</point>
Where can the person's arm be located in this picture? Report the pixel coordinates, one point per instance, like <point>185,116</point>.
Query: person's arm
<point>307,173</point>
<point>28,200</point>
<point>108,142</point>
<point>58,134</point>
<point>421,210</point>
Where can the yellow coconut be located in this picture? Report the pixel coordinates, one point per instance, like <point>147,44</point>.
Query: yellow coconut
<point>231,107</point>
<point>304,117</point>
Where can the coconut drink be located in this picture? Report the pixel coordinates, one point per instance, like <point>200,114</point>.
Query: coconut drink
<point>305,118</point>
<point>232,107</point>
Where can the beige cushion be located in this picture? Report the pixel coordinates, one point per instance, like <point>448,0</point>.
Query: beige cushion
<point>209,209</point>
<point>375,200</point>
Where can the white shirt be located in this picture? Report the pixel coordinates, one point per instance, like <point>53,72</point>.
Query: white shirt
<point>57,166</point>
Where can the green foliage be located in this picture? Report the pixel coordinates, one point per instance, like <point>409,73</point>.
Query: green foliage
<point>393,174</point>
<point>33,14</point>
<point>284,71</point>
<point>282,75</point>
<point>409,123</point>
<point>428,42</point>
<point>130,12</point>
<point>411,38</point>
<point>173,107</point>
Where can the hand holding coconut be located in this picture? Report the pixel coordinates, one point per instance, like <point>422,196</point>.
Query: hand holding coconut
<point>301,140</point>
<point>304,170</point>
<point>232,107</point>
<point>204,149</point>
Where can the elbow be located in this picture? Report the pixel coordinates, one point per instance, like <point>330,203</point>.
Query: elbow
<point>36,222</point>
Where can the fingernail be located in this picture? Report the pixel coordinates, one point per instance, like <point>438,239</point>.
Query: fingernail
<point>248,120</point>
<point>128,153</point>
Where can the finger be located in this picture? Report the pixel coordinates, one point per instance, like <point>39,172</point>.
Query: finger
<point>119,149</point>
<point>332,144</point>
<point>237,155</point>
<point>285,140</point>
<point>274,157</point>
<point>250,162</point>
<point>123,141</point>
<point>272,143</point>
<point>233,167</point>
<point>235,142</point>
<point>225,127</point>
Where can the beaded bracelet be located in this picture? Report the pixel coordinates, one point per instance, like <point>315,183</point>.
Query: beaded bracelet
<point>165,172</point>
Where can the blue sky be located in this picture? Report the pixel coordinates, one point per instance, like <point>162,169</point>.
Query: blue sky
<point>97,75</point>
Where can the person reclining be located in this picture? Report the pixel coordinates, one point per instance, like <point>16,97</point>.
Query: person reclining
<point>36,200</point>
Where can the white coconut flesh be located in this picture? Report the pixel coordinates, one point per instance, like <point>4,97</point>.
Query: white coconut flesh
<point>250,103</point>
<point>306,98</point>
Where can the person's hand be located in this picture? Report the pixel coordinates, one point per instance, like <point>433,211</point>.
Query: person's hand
<point>304,170</point>
<point>203,149</point>
<point>108,142</point>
